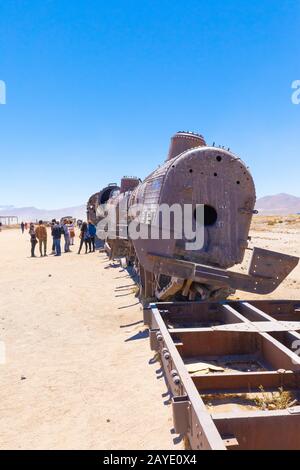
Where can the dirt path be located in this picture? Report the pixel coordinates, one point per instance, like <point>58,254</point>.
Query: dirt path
<point>77,372</point>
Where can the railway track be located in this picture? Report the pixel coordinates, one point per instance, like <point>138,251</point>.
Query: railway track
<point>232,370</point>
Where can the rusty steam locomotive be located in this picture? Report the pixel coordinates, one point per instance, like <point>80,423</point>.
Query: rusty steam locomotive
<point>193,174</point>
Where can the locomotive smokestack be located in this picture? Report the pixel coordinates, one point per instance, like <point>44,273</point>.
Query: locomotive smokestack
<point>182,141</point>
<point>128,183</point>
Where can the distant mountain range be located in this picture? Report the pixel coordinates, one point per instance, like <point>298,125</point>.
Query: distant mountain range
<point>32,213</point>
<point>279,204</point>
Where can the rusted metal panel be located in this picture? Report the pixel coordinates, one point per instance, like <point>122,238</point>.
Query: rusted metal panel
<point>230,388</point>
<point>181,414</point>
<point>215,178</point>
<point>221,278</point>
<point>272,430</point>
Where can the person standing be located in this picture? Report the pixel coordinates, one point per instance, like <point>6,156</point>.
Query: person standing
<point>33,239</point>
<point>92,232</point>
<point>66,233</point>
<point>41,233</point>
<point>56,234</point>
<point>84,237</point>
<point>22,227</point>
<point>72,232</point>
<point>53,222</point>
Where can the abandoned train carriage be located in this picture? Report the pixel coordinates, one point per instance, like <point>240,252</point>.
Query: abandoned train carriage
<point>193,174</point>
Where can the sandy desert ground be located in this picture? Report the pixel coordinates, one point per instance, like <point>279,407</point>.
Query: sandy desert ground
<point>78,371</point>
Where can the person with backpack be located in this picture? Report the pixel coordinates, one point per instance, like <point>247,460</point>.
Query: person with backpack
<point>57,232</point>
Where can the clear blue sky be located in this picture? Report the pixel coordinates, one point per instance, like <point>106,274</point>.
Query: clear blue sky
<point>96,88</point>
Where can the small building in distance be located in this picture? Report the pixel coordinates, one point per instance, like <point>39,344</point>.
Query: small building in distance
<point>9,219</point>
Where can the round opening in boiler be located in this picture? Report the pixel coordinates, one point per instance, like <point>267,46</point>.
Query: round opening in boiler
<point>210,215</point>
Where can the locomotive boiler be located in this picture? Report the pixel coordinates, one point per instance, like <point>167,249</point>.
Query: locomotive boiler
<point>194,175</point>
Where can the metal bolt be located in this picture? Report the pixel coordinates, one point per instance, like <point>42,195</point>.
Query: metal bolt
<point>166,353</point>
<point>176,380</point>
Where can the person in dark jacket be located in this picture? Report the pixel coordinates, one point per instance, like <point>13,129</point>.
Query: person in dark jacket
<point>53,222</point>
<point>84,237</point>
<point>33,239</point>
<point>92,232</point>
<point>56,234</point>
